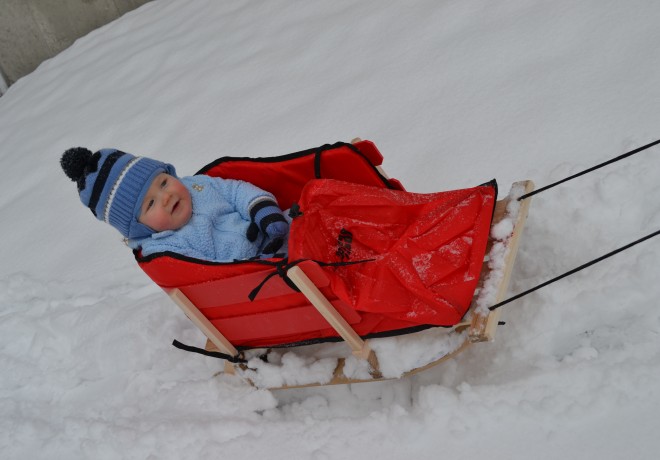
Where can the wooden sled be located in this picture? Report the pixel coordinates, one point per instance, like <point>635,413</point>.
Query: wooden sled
<point>480,324</point>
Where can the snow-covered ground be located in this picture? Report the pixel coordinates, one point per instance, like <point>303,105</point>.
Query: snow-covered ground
<point>454,93</point>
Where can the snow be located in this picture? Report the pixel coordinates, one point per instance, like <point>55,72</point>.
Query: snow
<point>454,93</point>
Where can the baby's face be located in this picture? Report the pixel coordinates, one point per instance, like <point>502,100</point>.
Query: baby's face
<point>167,204</point>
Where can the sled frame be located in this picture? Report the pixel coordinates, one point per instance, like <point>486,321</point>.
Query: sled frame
<point>481,327</point>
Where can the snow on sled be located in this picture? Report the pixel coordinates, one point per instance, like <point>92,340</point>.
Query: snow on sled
<point>388,272</point>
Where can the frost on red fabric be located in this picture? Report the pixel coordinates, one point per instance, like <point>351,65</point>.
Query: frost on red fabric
<point>422,253</point>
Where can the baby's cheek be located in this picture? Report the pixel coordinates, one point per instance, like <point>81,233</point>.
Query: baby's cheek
<point>157,221</point>
<point>166,223</point>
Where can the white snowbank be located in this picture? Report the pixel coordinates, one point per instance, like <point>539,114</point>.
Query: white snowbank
<point>453,93</point>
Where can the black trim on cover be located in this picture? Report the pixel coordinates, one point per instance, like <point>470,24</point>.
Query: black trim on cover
<point>317,162</point>
<point>290,156</point>
<point>374,335</point>
<point>492,183</point>
<point>144,259</point>
<point>302,343</point>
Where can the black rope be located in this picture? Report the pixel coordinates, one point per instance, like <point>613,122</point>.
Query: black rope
<point>593,168</point>
<point>575,270</point>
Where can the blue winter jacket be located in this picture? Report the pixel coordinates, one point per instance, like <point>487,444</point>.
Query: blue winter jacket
<point>218,226</point>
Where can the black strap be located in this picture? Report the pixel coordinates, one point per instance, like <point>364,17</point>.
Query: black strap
<point>323,148</point>
<point>282,267</point>
<point>239,359</point>
<point>294,211</point>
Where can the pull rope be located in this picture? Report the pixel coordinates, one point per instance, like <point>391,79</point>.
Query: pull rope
<point>598,259</point>
<point>593,168</point>
<point>575,270</point>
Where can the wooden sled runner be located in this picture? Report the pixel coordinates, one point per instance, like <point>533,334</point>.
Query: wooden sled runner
<point>206,296</point>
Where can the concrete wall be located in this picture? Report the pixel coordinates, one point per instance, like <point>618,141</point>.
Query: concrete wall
<point>34,30</point>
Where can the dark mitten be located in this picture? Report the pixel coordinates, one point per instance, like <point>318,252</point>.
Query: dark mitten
<point>252,232</point>
<point>273,246</point>
<point>269,219</point>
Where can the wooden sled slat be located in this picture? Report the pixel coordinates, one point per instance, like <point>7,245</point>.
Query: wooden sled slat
<point>359,347</point>
<point>214,336</point>
<point>211,332</point>
<point>481,328</point>
<point>484,324</point>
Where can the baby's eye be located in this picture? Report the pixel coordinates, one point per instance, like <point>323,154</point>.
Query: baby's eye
<point>150,204</point>
<point>164,183</point>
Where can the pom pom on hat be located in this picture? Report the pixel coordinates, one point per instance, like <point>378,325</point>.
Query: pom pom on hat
<point>112,184</point>
<point>74,161</point>
<point>77,162</point>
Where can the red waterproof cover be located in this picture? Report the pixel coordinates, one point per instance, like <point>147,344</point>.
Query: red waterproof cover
<point>412,257</point>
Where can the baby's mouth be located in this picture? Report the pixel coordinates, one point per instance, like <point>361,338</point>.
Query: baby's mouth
<point>176,205</point>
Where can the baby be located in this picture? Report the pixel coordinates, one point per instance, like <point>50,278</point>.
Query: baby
<point>198,216</point>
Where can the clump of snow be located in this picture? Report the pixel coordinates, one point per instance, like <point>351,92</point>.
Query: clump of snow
<point>288,369</point>
<point>500,234</point>
<point>317,363</point>
<point>398,355</point>
<point>502,229</point>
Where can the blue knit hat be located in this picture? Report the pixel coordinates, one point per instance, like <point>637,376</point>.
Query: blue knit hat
<point>112,184</point>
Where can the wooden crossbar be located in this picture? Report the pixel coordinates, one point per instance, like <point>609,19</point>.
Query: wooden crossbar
<point>359,347</point>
